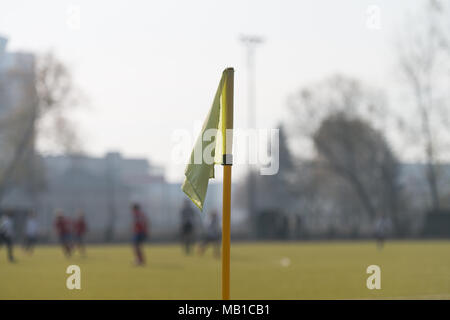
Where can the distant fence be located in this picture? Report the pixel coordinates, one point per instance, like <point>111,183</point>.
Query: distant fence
<point>437,224</point>
<point>270,225</point>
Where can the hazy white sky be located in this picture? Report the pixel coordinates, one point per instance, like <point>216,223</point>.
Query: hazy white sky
<point>150,67</point>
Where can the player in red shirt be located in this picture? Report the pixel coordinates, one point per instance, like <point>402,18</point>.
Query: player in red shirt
<point>62,226</point>
<point>80,229</point>
<point>140,227</point>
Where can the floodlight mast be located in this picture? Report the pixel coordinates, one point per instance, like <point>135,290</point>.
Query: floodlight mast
<point>251,42</point>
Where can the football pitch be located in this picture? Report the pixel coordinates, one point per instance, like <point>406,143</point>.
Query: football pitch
<point>269,270</point>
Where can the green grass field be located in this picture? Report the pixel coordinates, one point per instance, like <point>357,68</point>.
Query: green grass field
<point>334,270</point>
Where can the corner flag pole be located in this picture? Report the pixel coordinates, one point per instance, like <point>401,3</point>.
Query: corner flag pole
<point>226,204</point>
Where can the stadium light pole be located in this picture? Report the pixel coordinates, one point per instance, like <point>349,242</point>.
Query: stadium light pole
<point>251,42</point>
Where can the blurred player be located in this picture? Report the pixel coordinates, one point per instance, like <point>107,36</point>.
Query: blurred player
<point>7,234</point>
<point>212,235</point>
<point>140,228</point>
<point>62,226</point>
<point>381,225</point>
<point>31,232</point>
<point>80,229</point>
<point>187,226</point>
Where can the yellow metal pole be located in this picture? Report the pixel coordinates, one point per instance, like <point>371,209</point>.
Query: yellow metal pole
<point>226,232</point>
<point>227,162</point>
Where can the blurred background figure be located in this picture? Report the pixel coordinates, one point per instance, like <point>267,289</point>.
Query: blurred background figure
<point>62,226</point>
<point>80,229</point>
<point>31,232</point>
<point>140,230</point>
<point>381,226</point>
<point>212,234</point>
<point>187,226</point>
<point>7,234</point>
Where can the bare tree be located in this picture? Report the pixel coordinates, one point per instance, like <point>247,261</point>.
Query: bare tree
<point>46,95</point>
<point>340,123</point>
<point>360,155</point>
<point>338,93</point>
<point>424,60</point>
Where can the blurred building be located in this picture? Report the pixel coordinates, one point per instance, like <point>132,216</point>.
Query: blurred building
<point>332,210</point>
<point>414,181</point>
<point>104,188</point>
<point>17,75</point>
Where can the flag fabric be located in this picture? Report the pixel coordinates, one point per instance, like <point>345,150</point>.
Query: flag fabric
<point>210,146</point>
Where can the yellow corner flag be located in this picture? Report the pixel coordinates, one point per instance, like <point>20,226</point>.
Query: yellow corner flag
<point>211,146</point>
<point>214,145</point>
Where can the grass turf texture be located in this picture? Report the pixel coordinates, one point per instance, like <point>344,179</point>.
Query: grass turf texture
<point>310,270</point>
